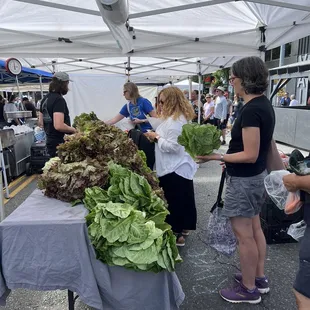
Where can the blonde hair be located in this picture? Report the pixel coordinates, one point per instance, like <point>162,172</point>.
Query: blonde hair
<point>175,104</point>
<point>133,90</point>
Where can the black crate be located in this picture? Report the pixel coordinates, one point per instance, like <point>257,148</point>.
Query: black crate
<point>273,215</point>
<point>277,233</point>
<point>39,150</point>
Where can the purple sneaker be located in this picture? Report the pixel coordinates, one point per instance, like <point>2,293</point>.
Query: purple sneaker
<point>261,284</point>
<point>240,294</point>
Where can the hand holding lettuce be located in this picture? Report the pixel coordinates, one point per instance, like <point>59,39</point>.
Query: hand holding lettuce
<point>200,140</point>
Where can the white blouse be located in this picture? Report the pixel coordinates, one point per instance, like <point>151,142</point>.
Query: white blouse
<point>169,155</point>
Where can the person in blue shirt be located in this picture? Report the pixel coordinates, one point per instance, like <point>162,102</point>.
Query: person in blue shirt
<point>136,109</point>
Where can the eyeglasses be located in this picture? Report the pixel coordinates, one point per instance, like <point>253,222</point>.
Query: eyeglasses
<point>232,79</point>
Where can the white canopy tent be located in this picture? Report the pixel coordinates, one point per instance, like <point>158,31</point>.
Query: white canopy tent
<point>166,36</point>
<point>185,85</point>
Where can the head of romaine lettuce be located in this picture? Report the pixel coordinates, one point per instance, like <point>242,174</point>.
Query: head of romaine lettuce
<point>200,140</point>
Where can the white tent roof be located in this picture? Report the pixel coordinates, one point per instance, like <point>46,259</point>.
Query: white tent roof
<point>170,34</point>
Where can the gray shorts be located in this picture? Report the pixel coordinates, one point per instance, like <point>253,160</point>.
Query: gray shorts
<point>244,196</point>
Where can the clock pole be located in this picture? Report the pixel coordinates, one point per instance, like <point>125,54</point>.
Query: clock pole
<point>18,89</point>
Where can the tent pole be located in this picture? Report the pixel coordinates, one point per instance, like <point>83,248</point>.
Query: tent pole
<point>199,92</point>
<point>199,98</point>
<point>41,86</point>
<point>2,214</point>
<point>128,69</point>
<point>19,93</point>
<point>190,88</point>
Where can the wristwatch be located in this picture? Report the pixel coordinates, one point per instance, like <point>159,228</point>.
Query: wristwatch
<point>156,139</point>
<point>222,157</point>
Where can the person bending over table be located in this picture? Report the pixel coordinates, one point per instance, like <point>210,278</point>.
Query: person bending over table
<point>136,109</point>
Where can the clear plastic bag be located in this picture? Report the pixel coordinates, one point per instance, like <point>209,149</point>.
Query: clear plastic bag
<point>220,235</point>
<point>276,189</point>
<point>293,203</point>
<point>297,230</point>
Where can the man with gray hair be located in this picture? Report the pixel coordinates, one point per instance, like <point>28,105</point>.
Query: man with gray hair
<point>220,112</point>
<point>293,102</point>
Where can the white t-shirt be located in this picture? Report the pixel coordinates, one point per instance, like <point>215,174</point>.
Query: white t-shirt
<point>220,111</point>
<point>207,109</point>
<point>169,155</point>
<point>293,103</point>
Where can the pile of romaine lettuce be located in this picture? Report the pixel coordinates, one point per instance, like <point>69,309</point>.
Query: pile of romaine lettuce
<point>126,223</point>
<point>200,140</point>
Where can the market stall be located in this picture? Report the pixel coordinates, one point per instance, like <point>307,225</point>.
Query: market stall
<point>45,246</point>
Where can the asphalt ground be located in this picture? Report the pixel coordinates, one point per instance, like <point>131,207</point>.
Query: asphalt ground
<point>203,271</point>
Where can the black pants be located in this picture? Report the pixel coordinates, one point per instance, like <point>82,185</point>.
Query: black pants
<point>144,145</point>
<point>51,146</point>
<point>180,196</point>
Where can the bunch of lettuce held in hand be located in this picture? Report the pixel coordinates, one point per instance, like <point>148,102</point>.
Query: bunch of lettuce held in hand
<point>94,145</point>
<point>200,140</point>
<point>126,224</point>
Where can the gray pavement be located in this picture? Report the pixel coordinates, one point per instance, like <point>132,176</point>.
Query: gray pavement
<point>203,271</point>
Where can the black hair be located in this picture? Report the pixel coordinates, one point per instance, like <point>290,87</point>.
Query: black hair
<point>253,74</point>
<point>25,99</point>
<point>12,97</point>
<point>58,86</point>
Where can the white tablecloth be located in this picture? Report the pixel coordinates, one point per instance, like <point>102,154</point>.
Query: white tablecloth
<point>44,246</point>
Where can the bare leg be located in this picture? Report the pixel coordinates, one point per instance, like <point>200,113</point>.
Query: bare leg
<point>261,246</point>
<point>247,249</point>
<point>303,302</point>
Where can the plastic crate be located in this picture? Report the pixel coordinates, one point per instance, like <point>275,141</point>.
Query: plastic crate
<point>39,150</point>
<point>275,223</point>
<point>272,214</point>
<point>276,233</point>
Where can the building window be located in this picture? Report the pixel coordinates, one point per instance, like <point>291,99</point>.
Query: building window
<point>268,55</point>
<point>304,46</point>
<point>288,50</point>
<point>275,53</point>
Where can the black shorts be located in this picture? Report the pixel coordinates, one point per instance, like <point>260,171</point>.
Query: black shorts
<point>302,281</point>
<point>209,121</point>
<point>219,125</point>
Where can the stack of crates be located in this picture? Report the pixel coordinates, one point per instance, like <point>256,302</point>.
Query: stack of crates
<point>39,156</point>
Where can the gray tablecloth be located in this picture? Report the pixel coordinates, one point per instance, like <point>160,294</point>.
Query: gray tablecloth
<point>44,246</point>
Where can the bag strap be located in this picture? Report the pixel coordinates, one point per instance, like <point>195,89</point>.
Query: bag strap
<point>219,194</point>
<point>222,182</point>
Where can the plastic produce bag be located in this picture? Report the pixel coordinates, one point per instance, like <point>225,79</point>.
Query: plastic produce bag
<point>276,189</point>
<point>220,235</point>
<point>293,203</point>
<point>297,230</point>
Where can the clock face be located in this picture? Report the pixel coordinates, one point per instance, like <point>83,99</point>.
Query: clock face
<point>14,66</point>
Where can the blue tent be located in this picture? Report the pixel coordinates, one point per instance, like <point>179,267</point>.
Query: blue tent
<point>28,76</point>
